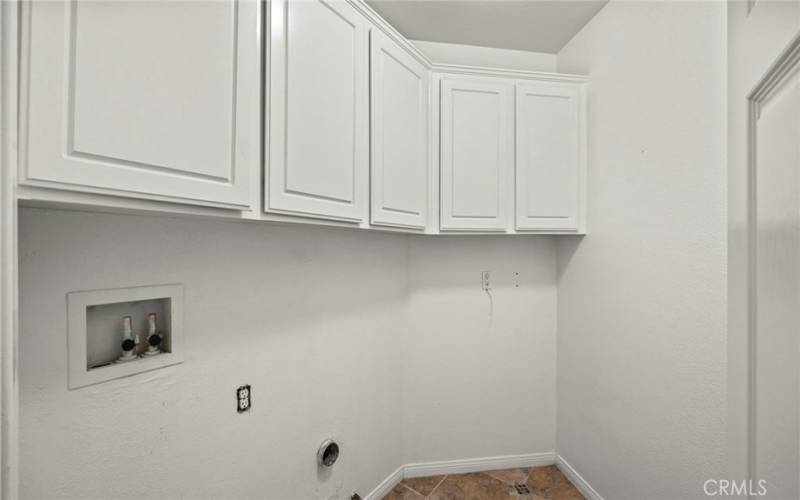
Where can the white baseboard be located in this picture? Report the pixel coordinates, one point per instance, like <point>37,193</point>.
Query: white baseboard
<point>482,464</point>
<point>386,485</point>
<point>584,487</point>
<point>478,464</point>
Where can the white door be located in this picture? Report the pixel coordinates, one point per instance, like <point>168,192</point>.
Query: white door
<point>318,113</point>
<point>477,123</point>
<point>399,133</point>
<point>775,126</point>
<point>155,100</point>
<point>549,160</point>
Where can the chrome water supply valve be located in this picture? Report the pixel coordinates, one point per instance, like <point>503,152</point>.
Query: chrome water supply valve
<point>153,336</point>
<point>129,341</point>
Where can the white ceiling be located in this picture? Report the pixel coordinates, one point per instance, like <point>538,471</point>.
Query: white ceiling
<point>535,25</point>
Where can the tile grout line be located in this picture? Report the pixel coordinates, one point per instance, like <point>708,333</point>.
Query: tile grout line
<point>528,476</point>
<point>412,490</point>
<point>437,486</point>
<point>486,473</point>
<point>511,482</point>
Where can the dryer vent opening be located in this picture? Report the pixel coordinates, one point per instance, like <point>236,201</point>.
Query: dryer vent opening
<point>328,453</point>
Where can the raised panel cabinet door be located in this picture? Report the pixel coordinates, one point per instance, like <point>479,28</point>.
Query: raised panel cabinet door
<point>319,100</point>
<point>399,136</point>
<point>476,154</point>
<point>152,100</point>
<point>549,161</point>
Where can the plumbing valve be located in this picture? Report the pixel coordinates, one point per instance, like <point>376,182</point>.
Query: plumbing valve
<point>129,341</point>
<point>154,337</point>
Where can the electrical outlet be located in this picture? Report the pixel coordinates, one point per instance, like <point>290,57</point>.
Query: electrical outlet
<point>243,398</point>
<point>486,280</point>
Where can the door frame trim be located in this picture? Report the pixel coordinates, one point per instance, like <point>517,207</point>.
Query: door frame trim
<point>784,66</point>
<point>9,381</point>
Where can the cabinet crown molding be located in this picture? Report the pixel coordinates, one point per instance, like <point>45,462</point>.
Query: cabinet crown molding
<point>459,69</point>
<point>379,22</point>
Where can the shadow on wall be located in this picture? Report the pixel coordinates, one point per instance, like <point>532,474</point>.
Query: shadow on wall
<point>474,361</point>
<point>381,341</point>
<point>310,317</point>
<point>283,277</point>
<point>457,261</point>
<point>567,247</point>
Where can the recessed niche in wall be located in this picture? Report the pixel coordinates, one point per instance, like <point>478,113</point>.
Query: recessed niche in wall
<point>103,345</point>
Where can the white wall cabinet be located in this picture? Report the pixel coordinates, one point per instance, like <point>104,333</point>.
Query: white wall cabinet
<point>477,126</point>
<point>124,104</point>
<point>550,157</point>
<point>399,133</point>
<point>318,110</point>
<point>151,100</point>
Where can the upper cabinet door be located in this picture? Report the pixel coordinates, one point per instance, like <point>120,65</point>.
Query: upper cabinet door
<point>153,100</point>
<point>550,157</point>
<point>399,136</point>
<point>318,113</point>
<point>476,154</point>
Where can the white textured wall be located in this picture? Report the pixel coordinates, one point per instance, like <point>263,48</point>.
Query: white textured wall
<point>327,325</point>
<point>479,370</point>
<point>641,299</point>
<point>308,317</point>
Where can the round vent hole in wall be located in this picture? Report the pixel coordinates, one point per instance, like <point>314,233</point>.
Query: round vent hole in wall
<point>328,453</point>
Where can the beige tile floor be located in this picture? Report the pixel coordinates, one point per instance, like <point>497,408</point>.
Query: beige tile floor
<point>544,483</point>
